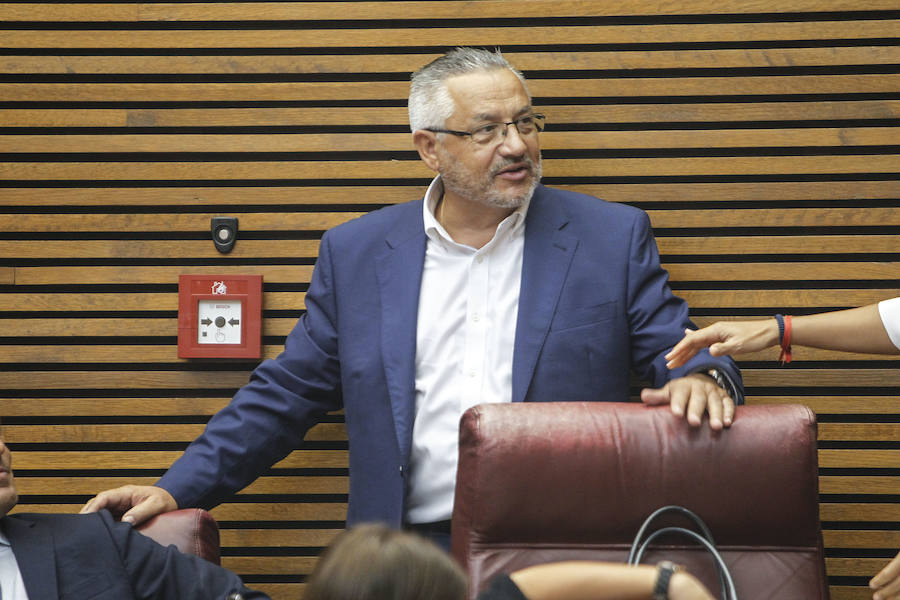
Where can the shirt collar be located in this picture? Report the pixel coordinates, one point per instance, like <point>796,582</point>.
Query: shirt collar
<point>4,541</point>
<point>515,222</point>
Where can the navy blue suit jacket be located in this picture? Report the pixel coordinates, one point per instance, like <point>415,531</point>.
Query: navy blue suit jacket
<point>93,556</point>
<point>594,306</point>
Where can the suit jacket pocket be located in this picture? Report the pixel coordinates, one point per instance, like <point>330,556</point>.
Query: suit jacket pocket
<point>570,318</point>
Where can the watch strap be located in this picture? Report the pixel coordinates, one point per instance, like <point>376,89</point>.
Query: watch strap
<point>664,571</point>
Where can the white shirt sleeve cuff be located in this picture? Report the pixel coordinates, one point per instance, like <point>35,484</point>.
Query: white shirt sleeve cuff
<point>890,316</point>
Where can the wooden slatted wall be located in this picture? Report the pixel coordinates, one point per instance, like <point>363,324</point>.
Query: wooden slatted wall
<point>761,136</point>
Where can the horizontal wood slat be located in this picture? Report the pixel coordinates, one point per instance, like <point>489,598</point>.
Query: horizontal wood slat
<point>777,245</point>
<point>453,36</point>
<point>172,223</point>
<point>156,432</point>
<point>859,485</point>
<point>33,380</point>
<point>47,434</point>
<point>153,459</point>
<point>412,169</point>
<point>161,459</point>
<point>759,192</point>
<point>388,115</point>
<point>130,248</point>
<point>394,63</point>
<point>137,354</point>
<point>294,300</point>
<point>195,11</point>
<point>128,301</point>
<point>318,221</point>
<point>89,486</point>
<point>151,275</point>
<point>339,485</point>
<point>237,511</point>
<point>837,405</point>
<point>744,271</point>
<point>382,90</point>
<point>175,406</point>
<point>354,142</point>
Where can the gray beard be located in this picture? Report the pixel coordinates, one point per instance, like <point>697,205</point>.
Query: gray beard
<point>458,180</point>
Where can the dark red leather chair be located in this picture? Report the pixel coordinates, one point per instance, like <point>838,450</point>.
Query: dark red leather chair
<point>191,530</point>
<point>543,482</point>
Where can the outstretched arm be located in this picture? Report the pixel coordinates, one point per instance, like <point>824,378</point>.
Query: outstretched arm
<point>853,330</point>
<point>887,583</point>
<point>579,580</point>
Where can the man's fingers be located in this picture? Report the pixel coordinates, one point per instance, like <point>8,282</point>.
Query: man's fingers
<point>727,411</point>
<point>697,402</point>
<point>148,508</point>
<point>715,407</point>
<point>136,504</point>
<point>679,396</point>
<point>654,396</point>
<point>116,501</point>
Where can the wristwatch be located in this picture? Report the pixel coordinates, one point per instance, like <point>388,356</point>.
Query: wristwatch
<point>664,571</point>
<point>720,379</point>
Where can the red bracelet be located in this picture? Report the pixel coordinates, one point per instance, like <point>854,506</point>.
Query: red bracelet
<point>786,341</point>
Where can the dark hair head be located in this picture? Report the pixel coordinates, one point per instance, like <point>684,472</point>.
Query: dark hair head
<point>374,562</point>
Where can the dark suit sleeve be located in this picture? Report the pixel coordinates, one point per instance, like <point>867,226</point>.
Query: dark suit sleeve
<point>268,417</point>
<point>658,318</point>
<point>159,573</point>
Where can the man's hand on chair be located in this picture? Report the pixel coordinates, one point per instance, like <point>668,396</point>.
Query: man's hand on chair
<point>133,503</point>
<point>691,397</point>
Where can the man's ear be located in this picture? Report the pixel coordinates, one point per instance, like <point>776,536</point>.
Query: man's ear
<point>426,144</point>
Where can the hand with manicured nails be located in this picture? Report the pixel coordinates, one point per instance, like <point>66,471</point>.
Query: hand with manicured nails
<point>724,338</point>
<point>887,583</point>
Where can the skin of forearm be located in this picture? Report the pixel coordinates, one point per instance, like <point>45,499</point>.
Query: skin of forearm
<point>853,330</point>
<point>590,581</point>
<point>585,581</point>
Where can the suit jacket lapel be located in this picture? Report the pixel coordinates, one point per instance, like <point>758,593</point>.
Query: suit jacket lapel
<point>399,271</point>
<point>545,264</point>
<point>33,547</point>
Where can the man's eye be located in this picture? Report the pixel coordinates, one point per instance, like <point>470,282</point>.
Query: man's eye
<point>527,121</point>
<point>486,130</point>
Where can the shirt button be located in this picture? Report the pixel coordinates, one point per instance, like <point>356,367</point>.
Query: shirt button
<point>479,260</point>
<point>476,317</point>
<point>471,373</point>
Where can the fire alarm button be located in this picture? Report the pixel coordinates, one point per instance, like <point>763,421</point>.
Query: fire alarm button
<point>219,316</point>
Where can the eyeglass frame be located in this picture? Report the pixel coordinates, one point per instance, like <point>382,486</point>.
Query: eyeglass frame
<point>505,124</point>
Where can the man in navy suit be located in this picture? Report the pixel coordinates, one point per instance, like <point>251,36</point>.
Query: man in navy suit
<point>45,557</point>
<point>493,288</point>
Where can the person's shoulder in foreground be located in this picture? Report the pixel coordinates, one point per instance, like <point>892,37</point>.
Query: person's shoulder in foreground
<point>97,557</point>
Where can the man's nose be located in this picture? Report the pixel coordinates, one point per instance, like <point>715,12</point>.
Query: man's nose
<point>513,143</point>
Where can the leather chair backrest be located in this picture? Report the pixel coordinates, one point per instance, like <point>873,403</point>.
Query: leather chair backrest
<point>191,530</point>
<point>549,481</point>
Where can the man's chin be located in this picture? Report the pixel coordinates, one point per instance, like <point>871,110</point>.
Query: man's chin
<point>8,499</point>
<point>513,198</point>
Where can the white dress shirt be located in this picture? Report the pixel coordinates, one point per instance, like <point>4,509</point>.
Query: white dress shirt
<point>11,585</point>
<point>890,316</point>
<point>468,303</point>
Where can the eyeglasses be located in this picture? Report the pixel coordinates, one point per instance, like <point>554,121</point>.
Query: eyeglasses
<point>527,126</point>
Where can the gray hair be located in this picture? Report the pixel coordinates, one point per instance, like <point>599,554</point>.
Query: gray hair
<point>430,104</point>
